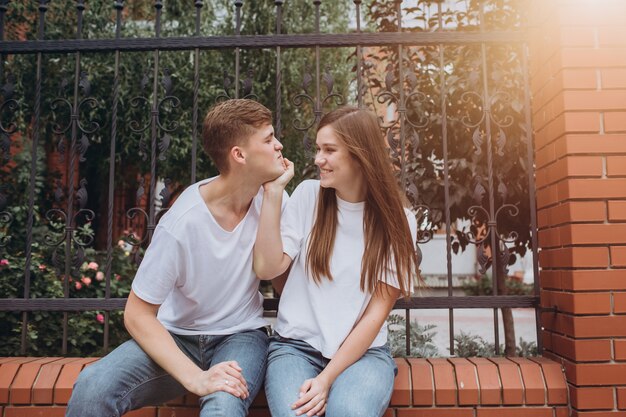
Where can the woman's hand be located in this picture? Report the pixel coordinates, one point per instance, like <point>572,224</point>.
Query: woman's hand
<point>225,376</point>
<point>282,180</point>
<point>313,396</point>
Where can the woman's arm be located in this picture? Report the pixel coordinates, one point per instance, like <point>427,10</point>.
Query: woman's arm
<point>269,261</point>
<point>314,392</point>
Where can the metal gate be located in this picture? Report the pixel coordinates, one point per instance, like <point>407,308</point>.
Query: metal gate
<point>449,106</point>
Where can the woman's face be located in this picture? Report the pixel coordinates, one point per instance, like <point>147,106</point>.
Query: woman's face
<point>338,169</point>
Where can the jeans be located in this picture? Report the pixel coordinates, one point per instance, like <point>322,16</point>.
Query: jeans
<point>362,389</point>
<point>127,378</point>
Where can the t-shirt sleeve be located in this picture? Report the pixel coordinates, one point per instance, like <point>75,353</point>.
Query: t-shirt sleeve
<point>391,277</point>
<point>160,268</point>
<point>293,221</point>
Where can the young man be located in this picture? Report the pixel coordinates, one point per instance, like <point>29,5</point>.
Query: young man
<point>195,312</point>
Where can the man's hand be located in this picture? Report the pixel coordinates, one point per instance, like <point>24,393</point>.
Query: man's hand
<point>281,181</point>
<point>225,376</point>
<point>313,397</point>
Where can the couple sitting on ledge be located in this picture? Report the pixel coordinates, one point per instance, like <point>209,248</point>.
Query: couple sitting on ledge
<point>340,250</point>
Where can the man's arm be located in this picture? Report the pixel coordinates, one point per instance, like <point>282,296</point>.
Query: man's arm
<point>140,319</point>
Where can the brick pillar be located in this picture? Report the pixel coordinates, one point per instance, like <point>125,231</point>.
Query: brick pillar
<point>578,77</point>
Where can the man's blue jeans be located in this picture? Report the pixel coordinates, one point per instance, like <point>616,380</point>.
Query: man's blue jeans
<point>128,378</point>
<point>363,389</point>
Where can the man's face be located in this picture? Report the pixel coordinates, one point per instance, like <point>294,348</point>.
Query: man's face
<point>264,158</point>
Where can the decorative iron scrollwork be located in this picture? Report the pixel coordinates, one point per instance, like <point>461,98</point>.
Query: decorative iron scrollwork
<point>68,231</point>
<point>247,85</point>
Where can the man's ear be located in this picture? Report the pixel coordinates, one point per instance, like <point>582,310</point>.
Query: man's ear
<point>237,155</point>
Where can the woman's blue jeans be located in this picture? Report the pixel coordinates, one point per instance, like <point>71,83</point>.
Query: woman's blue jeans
<point>363,389</point>
<point>128,378</point>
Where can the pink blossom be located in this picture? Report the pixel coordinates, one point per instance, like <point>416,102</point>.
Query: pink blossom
<point>100,318</point>
<point>86,280</point>
<point>99,276</point>
<point>92,265</point>
<point>4,262</point>
<point>42,267</point>
<point>78,285</point>
<point>117,277</point>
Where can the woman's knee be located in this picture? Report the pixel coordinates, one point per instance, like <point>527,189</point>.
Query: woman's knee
<point>355,408</point>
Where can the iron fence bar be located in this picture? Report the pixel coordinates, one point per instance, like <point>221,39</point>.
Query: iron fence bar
<point>3,9</point>
<point>359,57</point>
<point>491,226</point>
<point>3,214</point>
<point>407,331</point>
<point>158,5</point>
<point>196,87</point>
<point>414,303</point>
<point>33,171</point>
<point>446,180</point>
<point>69,219</point>
<point>318,100</point>
<point>531,191</point>
<point>333,40</point>
<point>401,107</point>
<point>238,4</point>
<point>279,79</point>
<point>119,6</point>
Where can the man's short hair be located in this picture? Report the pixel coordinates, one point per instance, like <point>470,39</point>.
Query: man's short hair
<point>230,123</point>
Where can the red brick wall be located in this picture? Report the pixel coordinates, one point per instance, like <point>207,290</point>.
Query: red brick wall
<point>578,78</point>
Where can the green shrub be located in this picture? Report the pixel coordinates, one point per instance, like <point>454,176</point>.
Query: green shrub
<point>44,331</point>
<point>483,286</point>
<point>421,338</point>
<point>469,345</point>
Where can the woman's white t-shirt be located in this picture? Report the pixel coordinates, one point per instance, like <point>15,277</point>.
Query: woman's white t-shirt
<point>323,315</point>
<point>201,274</point>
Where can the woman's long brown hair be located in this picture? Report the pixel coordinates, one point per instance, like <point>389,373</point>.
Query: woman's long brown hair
<point>386,229</point>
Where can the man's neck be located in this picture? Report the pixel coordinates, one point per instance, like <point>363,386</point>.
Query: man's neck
<point>228,197</point>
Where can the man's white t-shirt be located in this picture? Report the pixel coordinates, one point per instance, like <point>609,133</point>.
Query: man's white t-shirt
<point>201,274</point>
<point>323,315</point>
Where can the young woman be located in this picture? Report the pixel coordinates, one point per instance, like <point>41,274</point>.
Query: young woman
<point>352,245</point>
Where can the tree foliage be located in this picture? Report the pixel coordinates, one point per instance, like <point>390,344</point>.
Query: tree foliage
<point>460,79</point>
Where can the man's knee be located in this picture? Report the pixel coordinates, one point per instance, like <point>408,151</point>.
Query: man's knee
<point>88,382</point>
<point>221,403</point>
<point>89,396</point>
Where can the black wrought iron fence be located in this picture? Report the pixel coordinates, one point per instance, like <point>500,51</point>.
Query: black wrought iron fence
<point>449,80</point>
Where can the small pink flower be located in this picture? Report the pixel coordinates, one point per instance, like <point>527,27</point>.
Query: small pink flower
<point>99,276</point>
<point>78,285</point>
<point>92,265</point>
<point>4,262</point>
<point>86,280</point>
<point>117,277</point>
<point>42,267</point>
<point>100,318</point>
